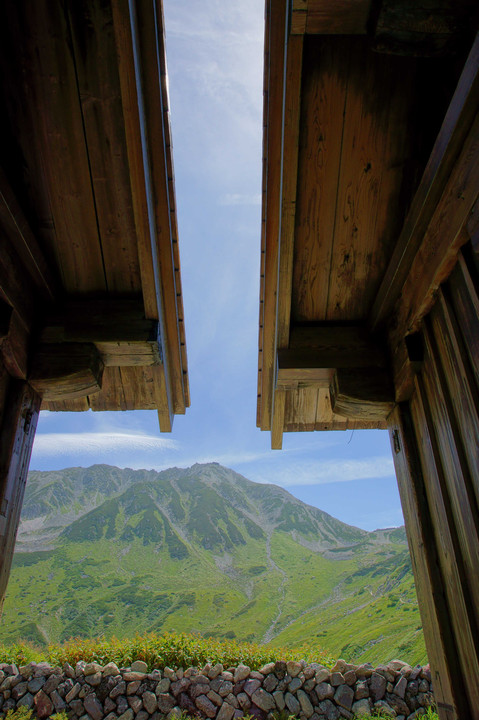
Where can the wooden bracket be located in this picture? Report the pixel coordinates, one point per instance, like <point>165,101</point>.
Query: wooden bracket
<point>66,371</point>
<point>362,394</point>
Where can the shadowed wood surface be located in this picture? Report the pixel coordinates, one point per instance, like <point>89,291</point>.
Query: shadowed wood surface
<point>87,202</point>
<point>369,309</point>
<point>343,161</point>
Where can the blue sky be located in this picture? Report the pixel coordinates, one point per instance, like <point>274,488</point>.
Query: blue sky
<point>215,59</point>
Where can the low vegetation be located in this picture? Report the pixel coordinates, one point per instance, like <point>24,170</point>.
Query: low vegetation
<point>23,714</point>
<point>167,650</point>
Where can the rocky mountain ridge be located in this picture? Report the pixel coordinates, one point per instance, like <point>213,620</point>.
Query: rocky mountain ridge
<point>203,550</point>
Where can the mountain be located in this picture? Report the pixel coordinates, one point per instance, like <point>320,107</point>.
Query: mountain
<point>203,549</point>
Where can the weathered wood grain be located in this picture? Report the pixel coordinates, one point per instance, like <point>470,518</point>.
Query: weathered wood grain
<point>438,252</point>
<point>459,478</point>
<point>18,422</point>
<point>428,575</point>
<point>323,97</point>
<point>150,50</point>
<point>275,29</point>
<point>460,603</point>
<point>51,68</point>
<point>66,371</point>
<point>375,149</point>
<point>464,296</point>
<point>449,143</point>
<point>340,345</point>
<point>96,69</point>
<point>289,160</point>
<point>277,423</point>
<point>331,17</point>
<point>301,409</point>
<point>426,29</point>
<point>463,393</point>
<point>362,394</point>
<point>115,325</point>
<point>16,226</point>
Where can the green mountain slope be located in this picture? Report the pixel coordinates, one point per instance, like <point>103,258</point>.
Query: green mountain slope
<point>104,550</point>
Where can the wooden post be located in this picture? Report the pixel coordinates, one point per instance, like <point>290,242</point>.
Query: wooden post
<point>448,690</point>
<point>18,421</point>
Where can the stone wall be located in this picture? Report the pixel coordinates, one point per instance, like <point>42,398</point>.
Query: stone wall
<point>311,692</point>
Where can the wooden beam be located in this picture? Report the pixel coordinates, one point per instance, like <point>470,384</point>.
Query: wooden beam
<point>406,362</point>
<point>330,17</point>
<point>339,345</point>
<point>277,425</point>
<point>422,29</point>
<point>274,71</point>
<point>116,326</point>
<point>444,158</point>
<point>66,371</point>
<point>18,420</point>
<point>362,394</point>
<point>136,35</point>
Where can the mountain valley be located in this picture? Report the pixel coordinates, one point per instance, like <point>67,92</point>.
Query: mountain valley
<point>106,551</point>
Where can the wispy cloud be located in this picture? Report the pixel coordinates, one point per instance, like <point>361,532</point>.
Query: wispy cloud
<point>239,199</point>
<point>107,443</point>
<point>328,471</point>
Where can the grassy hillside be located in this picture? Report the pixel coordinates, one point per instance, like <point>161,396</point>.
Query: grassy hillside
<point>117,552</point>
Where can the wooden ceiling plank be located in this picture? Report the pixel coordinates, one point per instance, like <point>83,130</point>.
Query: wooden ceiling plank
<point>96,68</point>
<point>365,190</point>
<point>442,240</point>
<point>289,161</point>
<point>23,147</point>
<point>449,143</point>
<point>65,156</point>
<point>275,34</point>
<point>321,132</point>
<point>15,225</point>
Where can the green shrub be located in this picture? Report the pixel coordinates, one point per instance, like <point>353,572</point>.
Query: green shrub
<point>21,713</point>
<point>170,649</point>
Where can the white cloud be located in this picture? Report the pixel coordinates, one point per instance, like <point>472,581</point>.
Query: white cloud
<point>92,443</point>
<point>328,471</point>
<point>238,199</point>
